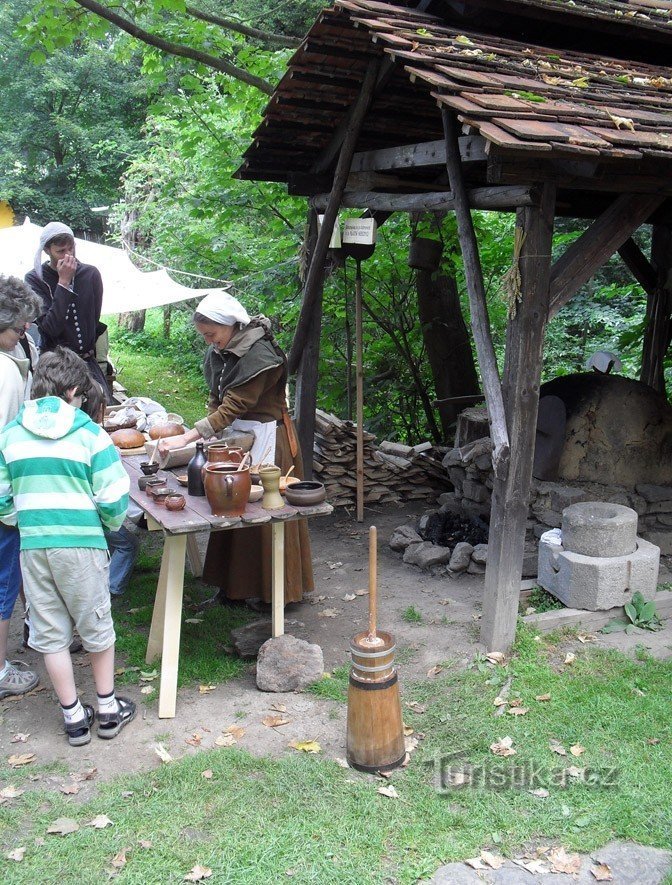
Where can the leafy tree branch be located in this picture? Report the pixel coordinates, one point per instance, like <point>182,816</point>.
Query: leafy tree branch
<point>231,25</point>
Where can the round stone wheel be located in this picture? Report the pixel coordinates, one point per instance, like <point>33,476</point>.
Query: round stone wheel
<point>597,528</point>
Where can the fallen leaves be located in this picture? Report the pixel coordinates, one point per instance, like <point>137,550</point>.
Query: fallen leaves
<point>570,657</point>
<point>18,759</point>
<point>562,862</point>
<point>496,657</point>
<point>148,675</point>
<point>434,671</point>
<point>389,791</point>
<point>207,774</point>
<point>577,750</point>
<point>194,740</point>
<point>205,689</point>
<point>503,747</point>
<point>541,793</point>
<point>602,872</point>
<point>225,740</point>
<point>11,792</point>
<point>17,854</point>
<point>147,689</point>
<point>275,721</point>
<point>349,597</point>
<point>305,746</point>
<point>69,789</point>
<point>100,822</point>
<point>235,730</point>
<point>162,753</point>
<point>63,826</point>
<point>543,697</point>
<point>19,738</point>
<point>486,859</point>
<point>557,747</point>
<point>416,707</point>
<point>198,873</point>
<point>328,613</point>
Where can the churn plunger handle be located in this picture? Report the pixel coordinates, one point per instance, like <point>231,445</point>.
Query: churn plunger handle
<point>373,581</point>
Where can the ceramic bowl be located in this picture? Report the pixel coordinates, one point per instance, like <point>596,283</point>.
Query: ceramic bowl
<point>305,493</point>
<point>152,482</point>
<point>286,482</point>
<point>142,482</point>
<point>149,469</point>
<point>183,479</point>
<point>175,502</point>
<point>160,493</point>
<point>256,494</point>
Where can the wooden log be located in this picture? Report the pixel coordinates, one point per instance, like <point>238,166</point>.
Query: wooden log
<point>479,310</point>
<point>638,264</point>
<point>588,253</point>
<point>494,197</point>
<point>316,269</point>
<point>522,375</point>
<point>658,311</point>
<point>413,156</point>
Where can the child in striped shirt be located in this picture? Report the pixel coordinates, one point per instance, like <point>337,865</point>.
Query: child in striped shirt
<point>62,480</point>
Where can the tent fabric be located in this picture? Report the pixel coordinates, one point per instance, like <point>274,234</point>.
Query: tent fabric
<point>124,286</point>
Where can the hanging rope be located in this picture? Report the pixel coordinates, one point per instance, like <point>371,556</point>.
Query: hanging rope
<point>510,283</point>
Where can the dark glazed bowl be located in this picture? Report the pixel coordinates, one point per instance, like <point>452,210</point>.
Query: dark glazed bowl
<point>149,469</point>
<point>305,493</point>
<point>161,493</point>
<point>175,502</point>
<point>152,482</point>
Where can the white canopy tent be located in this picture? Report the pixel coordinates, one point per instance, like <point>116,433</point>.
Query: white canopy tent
<point>124,286</point>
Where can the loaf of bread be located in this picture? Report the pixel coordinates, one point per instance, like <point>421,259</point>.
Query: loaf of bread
<point>159,431</point>
<point>127,438</point>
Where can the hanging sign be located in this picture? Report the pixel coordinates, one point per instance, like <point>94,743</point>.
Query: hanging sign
<point>335,241</point>
<point>360,230</point>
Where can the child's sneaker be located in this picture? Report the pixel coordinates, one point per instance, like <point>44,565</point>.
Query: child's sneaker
<point>17,681</point>
<point>110,724</point>
<point>79,733</point>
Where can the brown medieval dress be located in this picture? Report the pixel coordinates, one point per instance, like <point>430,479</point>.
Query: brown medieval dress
<point>239,561</point>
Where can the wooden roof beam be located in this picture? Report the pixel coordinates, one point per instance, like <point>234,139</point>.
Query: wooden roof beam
<point>411,156</point>
<point>479,198</point>
<point>585,256</point>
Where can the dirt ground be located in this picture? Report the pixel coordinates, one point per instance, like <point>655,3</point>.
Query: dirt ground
<point>448,631</point>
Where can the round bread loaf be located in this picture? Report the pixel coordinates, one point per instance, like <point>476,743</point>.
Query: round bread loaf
<point>159,431</point>
<point>127,438</point>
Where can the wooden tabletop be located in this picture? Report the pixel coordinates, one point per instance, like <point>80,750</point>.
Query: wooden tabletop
<point>196,515</point>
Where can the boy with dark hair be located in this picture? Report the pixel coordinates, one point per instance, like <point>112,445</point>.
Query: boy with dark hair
<point>62,479</point>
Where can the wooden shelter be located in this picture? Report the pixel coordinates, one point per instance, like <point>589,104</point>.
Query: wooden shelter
<point>540,107</point>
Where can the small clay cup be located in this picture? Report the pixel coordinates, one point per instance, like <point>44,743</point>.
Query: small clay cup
<point>175,502</point>
<point>153,482</point>
<point>160,494</point>
<point>142,482</point>
<point>305,493</point>
<point>149,469</point>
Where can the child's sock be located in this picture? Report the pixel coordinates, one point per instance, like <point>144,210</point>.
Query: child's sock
<point>73,712</point>
<point>5,668</point>
<point>107,703</point>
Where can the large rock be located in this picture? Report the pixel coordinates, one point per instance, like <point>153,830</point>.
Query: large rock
<point>247,640</point>
<point>460,557</point>
<point>286,663</point>
<point>426,554</point>
<point>595,528</point>
<point>480,554</point>
<point>402,536</point>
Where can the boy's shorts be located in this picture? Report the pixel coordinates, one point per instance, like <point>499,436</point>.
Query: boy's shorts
<point>66,585</point>
<point>10,572</point>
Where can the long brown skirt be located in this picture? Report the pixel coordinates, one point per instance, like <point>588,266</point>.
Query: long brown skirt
<point>239,560</point>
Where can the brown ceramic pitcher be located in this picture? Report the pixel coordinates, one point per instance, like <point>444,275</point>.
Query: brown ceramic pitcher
<point>226,488</point>
<point>219,453</point>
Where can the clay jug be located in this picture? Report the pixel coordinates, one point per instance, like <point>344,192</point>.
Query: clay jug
<point>270,480</point>
<point>221,453</point>
<point>226,488</point>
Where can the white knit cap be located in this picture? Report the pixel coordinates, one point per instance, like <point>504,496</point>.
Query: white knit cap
<point>222,308</point>
<point>48,232</point>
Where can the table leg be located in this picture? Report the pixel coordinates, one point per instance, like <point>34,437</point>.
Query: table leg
<point>278,578</point>
<point>194,555</point>
<point>164,634</point>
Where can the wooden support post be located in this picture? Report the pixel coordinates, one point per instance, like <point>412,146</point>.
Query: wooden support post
<point>522,374</point>
<point>164,634</point>
<point>359,356</point>
<point>278,579</point>
<point>194,556</point>
<point>658,311</point>
<point>480,320</point>
<point>316,270</point>
<point>307,375</point>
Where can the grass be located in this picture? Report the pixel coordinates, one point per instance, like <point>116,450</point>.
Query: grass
<point>203,645</point>
<point>166,370</point>
<point>542,601</point>
<point>307,819</point>
<point>333,687</point>
<point>412,615</point>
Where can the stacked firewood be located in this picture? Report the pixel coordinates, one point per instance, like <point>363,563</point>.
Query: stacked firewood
<point>392,472</point>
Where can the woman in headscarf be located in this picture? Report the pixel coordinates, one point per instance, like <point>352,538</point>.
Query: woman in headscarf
<point>246,372</point>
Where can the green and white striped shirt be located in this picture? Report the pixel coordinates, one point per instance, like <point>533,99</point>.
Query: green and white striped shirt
<point>61,477</point>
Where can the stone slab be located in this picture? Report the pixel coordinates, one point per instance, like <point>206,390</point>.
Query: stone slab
<point>426,554</point>
<point>597,583</point>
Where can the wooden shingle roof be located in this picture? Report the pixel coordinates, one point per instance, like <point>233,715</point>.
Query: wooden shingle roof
<point>526,100</point>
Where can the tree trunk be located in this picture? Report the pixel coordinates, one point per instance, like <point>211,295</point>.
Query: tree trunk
<point>658,311</point>
<point>132,321</point>
<point>167,311</point>
<point>447,341</point>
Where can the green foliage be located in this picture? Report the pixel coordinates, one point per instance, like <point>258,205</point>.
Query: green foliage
<point>333,686</point>
<point>542,601</point>
<point>411,615</point>
<point>639,613</point>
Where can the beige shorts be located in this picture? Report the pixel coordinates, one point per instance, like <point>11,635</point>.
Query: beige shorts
<point>66,587</point>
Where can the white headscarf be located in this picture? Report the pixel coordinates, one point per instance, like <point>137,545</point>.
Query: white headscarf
<point>222,308</point>
<point>48,232</point>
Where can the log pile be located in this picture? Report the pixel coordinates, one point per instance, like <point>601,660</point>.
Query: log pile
<point>392,472</point>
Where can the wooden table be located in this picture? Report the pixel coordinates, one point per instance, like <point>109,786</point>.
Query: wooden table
<point>179,532</point>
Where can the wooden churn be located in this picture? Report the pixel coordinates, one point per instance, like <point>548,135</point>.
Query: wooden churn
<point>375,738</point>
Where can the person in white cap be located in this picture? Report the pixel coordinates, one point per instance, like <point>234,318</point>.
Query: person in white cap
<point>246,373</point>
<point>72,298</point>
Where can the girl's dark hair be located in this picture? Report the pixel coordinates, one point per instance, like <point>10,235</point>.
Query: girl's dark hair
<point>57,372</point>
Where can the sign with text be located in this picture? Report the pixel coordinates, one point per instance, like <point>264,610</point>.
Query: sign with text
<point>335,241</point>
<point>359,230</point>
